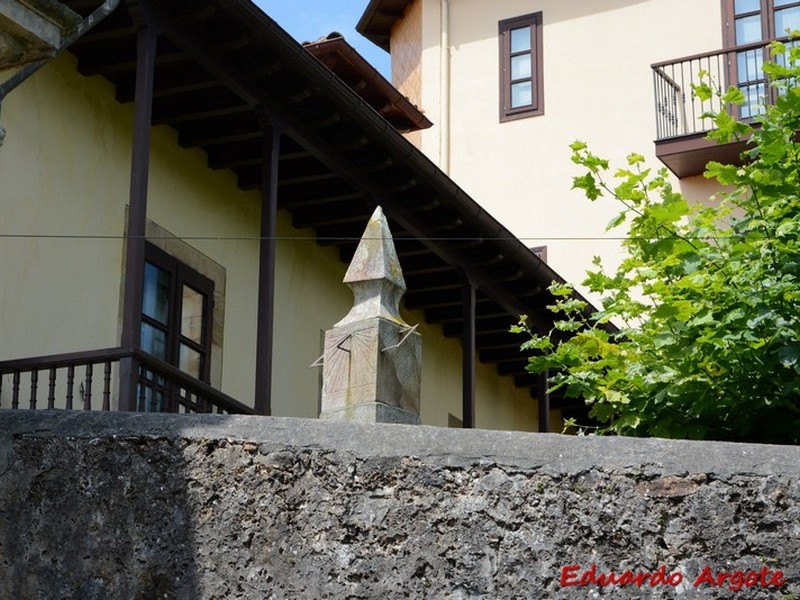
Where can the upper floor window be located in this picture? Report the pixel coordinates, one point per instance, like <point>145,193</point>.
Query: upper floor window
<point>521,93</point>
<point>752,22</point>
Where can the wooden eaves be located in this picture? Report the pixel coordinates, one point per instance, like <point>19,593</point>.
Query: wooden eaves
<point>231,82</point>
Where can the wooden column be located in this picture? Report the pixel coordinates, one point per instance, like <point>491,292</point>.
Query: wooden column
<point>137,211</point>
<point>543,401</point>
<point>468,343</point>
<point>266,272</point>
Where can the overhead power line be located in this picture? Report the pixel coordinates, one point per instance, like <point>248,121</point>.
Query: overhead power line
<point>222,238</point>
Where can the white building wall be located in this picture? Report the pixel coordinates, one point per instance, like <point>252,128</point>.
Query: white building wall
<point>598,87</point>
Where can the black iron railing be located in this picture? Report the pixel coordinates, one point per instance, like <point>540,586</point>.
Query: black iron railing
<point>679,112</point>
<point>89,381</point>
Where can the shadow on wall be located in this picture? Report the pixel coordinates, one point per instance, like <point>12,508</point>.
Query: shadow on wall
<point>90,517</point>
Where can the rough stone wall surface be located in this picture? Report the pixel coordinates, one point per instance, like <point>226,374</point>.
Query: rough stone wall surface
<point>96,506</point>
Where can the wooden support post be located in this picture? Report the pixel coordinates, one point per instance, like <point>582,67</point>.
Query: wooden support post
<point>137,211</point>
<point>468,343</point>
<point>266,272</point>
<point>543,401</point>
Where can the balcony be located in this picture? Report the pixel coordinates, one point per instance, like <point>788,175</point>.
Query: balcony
<point>681,126</point>
<point>90,381</point>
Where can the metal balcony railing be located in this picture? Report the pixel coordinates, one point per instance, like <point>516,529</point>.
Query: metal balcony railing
<point>680,113</point>
<point>89,381</point>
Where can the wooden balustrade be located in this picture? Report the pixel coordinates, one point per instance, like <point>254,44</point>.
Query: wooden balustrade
<point>160,387</point>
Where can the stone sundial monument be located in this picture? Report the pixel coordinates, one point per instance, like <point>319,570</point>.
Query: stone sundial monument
<point>372,363</point>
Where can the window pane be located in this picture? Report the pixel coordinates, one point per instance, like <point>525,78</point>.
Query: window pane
<point>192,314</point>
<point>521,66</point>
<point>788,18</point>
<point>155,297</point>
<point>521,94</point>
<point>784,2</point>
<point>752,104</point>
<point>520,39</point>
<point>154,341</point>
<point>750,65</point>
<point>190,361</point>
<point>748,30</point>
<point>745,6</point>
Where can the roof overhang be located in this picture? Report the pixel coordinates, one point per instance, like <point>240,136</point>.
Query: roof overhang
<point>360,76</point>
<point>378,19</point>
<point>226,75</point>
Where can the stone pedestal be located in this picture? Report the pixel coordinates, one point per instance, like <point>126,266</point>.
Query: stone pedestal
<point>367,377</point>
<point>372,359</point>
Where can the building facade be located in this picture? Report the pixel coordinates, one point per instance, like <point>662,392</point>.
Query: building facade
<point>510,84</point>
<point>178,218</point>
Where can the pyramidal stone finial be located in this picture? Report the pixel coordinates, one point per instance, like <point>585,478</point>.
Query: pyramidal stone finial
<point>372,362</point>
<point>375,275</point>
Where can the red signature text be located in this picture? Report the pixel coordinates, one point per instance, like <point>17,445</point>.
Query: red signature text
<point>734,580</point>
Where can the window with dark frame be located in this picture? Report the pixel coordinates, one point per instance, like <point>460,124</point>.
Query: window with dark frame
<point>751,22</point>
<point>521,90</point>
<point>176,313</point>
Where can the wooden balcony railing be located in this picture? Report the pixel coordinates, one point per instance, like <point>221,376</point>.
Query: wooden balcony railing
<point>679,113</point>
<point>89,381</point>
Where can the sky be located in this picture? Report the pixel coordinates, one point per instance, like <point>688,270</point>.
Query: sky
<point>309,20</point>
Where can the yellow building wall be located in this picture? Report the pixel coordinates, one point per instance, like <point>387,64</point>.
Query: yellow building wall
<point>64,183</point>
<point>62,197</point>
<point>598,87</point>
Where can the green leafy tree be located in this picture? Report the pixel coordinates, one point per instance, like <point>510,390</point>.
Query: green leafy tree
<point>707,300</point>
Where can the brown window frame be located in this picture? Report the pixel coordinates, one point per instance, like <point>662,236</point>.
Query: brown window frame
<point>536,108</point>
<point>181,274</point>
<point>767,12</point>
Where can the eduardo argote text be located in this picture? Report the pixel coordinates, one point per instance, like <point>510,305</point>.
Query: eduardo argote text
<point>735,581</point>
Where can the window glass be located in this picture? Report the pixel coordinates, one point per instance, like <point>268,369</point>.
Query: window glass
<point>784,2</point>
<point>749,65</point>
<point>192,314</point>
<point>190,361</point>
<point>155,299</point>
<point>521,67</point>
<point>154,341</point>
<point>745,6</point>
<point>520,39</point>
<point>753,95</point>
<point>521,94</point>
<point>748,29</point>
<point>787,18</point>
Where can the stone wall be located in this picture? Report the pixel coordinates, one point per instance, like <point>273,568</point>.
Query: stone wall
<point>137,506</point>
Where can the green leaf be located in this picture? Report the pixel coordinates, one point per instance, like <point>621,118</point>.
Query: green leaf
<point>588,184</point>
<point>679,310</point>
<point>702,91</point>
<point>724,174</point>
<point>577,146</point>
<point>733,96</point>
<point>616,221</point>
<point>789,355</point>
<point>602,412</point>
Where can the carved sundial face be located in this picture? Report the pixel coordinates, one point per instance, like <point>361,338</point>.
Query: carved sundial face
<point>350,359</point>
